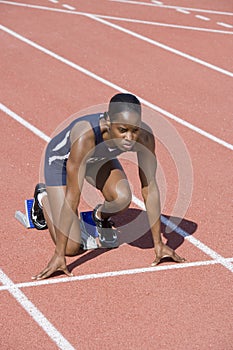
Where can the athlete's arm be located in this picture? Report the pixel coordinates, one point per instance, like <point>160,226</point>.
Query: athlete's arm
<point>82,145</point>
<point>147,172</point>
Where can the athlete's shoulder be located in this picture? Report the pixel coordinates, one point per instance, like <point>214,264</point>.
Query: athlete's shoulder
<point>82,127</point>
<point>92,119</point>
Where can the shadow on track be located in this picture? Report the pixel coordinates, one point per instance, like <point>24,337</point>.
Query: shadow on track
<point>136,220</point>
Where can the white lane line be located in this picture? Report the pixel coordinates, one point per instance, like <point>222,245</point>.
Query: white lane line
<point>157,2</point>
<point>24,123</point>
<point>201,246</point>
<point>202,17</point>
<point>173,7</point>
<point>119,88</point>
<point>148,4</point>
<point>224,25</point>
<point>114,274</point>
<point>159,24</point>
<point>183,11</point>
<point>54,1</point>
<point>204,248</point>
<point>34,312</point>
<point>69,7</point>
<point>162,46</point>
<point>51,9</point>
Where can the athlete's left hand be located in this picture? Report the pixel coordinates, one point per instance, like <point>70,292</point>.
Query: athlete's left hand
<point>163,251</point>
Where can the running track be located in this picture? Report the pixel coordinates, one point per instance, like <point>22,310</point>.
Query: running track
<point>60,57</point>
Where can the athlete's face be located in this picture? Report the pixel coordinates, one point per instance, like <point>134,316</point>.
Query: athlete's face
<point>125,129</point>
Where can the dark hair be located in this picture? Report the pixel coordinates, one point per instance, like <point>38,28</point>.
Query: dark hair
<point>124,102</point>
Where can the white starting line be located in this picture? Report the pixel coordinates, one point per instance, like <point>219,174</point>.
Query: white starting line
<point>128,272</point>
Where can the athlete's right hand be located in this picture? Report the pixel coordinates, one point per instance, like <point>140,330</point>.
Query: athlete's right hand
<point>57,263</point>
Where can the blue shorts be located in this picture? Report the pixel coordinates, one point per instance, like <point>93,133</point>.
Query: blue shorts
<point>54,173</point>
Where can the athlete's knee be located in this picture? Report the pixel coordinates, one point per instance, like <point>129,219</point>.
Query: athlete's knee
<point>118,197</point>
<point>124,199</point>
<point>124,194</point>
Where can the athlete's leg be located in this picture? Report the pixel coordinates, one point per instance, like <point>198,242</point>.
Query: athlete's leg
<point>52,206</point>
<point>111,180</point>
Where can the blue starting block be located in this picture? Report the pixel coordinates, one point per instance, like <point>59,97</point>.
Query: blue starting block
<point>25,219</point>
<point>89,233</point>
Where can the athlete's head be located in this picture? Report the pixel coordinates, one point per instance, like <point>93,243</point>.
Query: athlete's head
<point>123,102</point>
<point>124,115</point>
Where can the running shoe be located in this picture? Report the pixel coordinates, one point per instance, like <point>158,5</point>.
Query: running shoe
<point>107,235</point>
<point>37,215</point>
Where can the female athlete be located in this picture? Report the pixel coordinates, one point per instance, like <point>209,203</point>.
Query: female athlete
<point>88,149</point>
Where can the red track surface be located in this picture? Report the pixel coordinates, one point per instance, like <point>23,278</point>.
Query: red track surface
<point>180,308</point>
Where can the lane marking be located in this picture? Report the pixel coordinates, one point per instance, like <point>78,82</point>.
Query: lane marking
<point>54,1</point>
<point>157,2</point>
<point>160,24</point>
<point>130,20</point>
<point>120,89</point>
<point>173,7</point>
<point>113,274</point>
<point>224,25</point>
<point>117,18</point>
<point>69,7</point>
<point>202,17</point>
<point>162,46</point>
<point>35,313</point>
<point>183,11</point>
<point>23,122</point>
<point>197,243</point>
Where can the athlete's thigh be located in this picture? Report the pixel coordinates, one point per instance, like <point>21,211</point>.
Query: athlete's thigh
<point>110,178</point>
